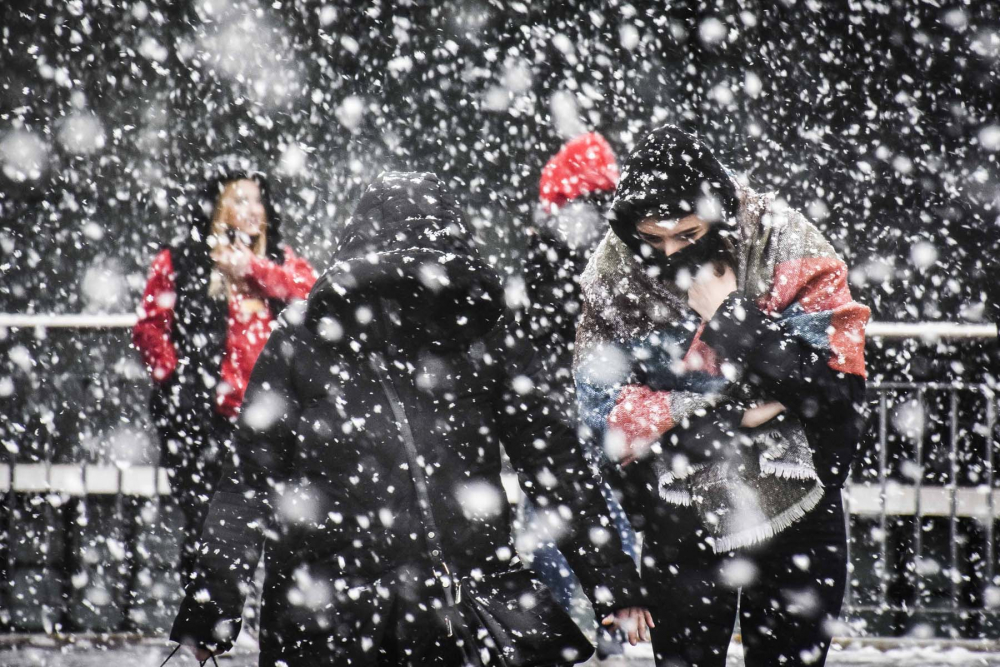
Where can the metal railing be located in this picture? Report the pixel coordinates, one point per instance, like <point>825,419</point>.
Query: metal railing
<point>937,480</point>
<point>902,500</point>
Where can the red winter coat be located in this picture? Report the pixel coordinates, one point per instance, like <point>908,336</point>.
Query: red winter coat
<point>247,331</point>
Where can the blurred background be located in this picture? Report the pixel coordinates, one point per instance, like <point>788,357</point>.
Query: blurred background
<point>878,120</point>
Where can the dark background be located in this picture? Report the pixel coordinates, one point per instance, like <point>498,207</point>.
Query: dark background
<point>879,120</point>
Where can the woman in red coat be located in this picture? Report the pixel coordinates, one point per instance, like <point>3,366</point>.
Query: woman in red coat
<point>209,306</point>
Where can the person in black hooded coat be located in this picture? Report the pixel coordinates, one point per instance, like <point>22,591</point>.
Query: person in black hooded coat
<point>321,473</point>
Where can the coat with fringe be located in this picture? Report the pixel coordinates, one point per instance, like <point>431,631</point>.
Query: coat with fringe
<point>650,374</point>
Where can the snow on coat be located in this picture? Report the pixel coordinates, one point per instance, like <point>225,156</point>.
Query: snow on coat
<point>321,474</point>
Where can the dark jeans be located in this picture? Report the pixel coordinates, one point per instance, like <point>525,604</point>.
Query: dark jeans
<point>786,590</point>
<point>197,452</point>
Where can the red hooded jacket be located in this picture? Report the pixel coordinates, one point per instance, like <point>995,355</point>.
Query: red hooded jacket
<point>247,330</point>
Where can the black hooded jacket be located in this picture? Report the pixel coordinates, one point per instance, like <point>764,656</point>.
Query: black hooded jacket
<point>321,473</point>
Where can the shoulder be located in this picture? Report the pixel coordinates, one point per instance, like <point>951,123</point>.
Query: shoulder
<point>596,270</point>
<point>789,229</point>
<point>292,323</point>
<point>162,265</point>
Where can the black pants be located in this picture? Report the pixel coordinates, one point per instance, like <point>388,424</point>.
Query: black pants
<point>787,590</point>
<point>194,452</point>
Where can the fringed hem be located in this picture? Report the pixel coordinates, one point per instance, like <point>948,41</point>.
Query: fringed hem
<point>756,535</point>
<point>668,478</point>
<point>676,496</point>
<point>786,470</point>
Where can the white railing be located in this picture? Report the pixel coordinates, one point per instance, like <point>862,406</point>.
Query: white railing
<point>864,499</point>
<point>872,501</point>
<point>921,330</point>
<point>84,479</point>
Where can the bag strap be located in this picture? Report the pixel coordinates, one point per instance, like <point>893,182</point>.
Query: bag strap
<point>432,534</point>
<point>176,648</point>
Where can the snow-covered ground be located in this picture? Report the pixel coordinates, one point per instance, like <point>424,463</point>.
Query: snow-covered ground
<point>153,653</point>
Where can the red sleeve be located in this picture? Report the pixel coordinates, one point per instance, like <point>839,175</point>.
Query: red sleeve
<point>152,333</point>
<point>288,281</point>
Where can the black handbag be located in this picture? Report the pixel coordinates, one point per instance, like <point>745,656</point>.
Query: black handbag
<point>509,618</point>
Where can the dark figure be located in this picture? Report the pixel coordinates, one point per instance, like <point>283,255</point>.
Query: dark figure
<point>408,319</point>
<point>209,306</point>
<point>575,193</point>
<point>721,362</point>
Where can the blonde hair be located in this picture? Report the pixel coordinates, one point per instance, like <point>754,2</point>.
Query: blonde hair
<point>218,286</point>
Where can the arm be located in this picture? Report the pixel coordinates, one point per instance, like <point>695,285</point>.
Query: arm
<point>557,478</point>
<point>152,333</point>
<point>289,281</point>
<point>830,403</point>
<point>660,393</point>
<point>233,537</point>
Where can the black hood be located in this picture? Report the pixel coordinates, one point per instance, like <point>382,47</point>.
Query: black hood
<point>214,178</point>
<point>666,176</point>
<point>407,271</point>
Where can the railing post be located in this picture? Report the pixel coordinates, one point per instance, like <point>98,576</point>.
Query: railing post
<point>7,585</point>
<point>991,418</point>
<point>953,495</point>
<point>883,443</point>
<point>918,536</point>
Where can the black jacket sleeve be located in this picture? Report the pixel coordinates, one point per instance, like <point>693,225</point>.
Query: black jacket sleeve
<point>830,404</point>
<point>557,478</point>
<point>231,542</point>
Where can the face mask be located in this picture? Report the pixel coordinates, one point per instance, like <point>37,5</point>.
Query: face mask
<point>709,248</point>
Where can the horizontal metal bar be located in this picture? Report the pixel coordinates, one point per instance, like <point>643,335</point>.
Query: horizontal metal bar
<point>901,500</point>
<point>985,611</point>
<point>923,330</point>
<point>930,330</point>
<point>981,387</point>
<point>883,644</point>
<point>116,321</point>
<point>91,479</point>
<point>78,479</point>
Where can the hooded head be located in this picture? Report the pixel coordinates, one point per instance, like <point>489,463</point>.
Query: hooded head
<point>576,189</point>
<point>670,177</point>
<point>584,166</point>
<point>219,174</point>
<point>407,271</point>
<point>200,309</point>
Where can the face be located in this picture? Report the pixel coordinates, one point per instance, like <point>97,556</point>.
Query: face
<point>241,208</point>
<point>671,236</point>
